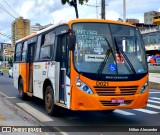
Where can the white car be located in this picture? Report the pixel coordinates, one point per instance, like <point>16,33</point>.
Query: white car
<point>1,71</point>
<point>10,72</point>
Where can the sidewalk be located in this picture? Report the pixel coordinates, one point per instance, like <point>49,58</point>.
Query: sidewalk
<point>154,81</point>
<point>11,115</point>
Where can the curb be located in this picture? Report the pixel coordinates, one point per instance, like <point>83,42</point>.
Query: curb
<point>153,85</point>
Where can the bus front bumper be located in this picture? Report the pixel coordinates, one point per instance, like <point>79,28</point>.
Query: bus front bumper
<point>83,101</point>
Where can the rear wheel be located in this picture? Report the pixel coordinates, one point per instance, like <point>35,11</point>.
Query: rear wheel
<point>21,90</point>
<point>51,108</point>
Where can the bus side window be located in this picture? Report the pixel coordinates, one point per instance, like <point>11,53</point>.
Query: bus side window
<point>38,48</point>
<point>18,52</point>
<point>24,51</point>
<point>45,52</point>
<point>47,44</point>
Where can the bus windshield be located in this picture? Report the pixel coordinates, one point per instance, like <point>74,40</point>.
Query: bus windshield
<point>126,55</point>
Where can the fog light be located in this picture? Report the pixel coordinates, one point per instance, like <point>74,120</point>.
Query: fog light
<point>85,88</point>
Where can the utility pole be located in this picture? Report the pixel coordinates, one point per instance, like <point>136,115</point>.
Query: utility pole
<point>76,9</point>
<point>103,5</point>
<point>124,10</point>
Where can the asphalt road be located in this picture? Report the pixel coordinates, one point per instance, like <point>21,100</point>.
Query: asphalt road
<point>97,122</point>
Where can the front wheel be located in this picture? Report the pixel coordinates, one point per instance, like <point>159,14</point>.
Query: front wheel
<point>51,108</point>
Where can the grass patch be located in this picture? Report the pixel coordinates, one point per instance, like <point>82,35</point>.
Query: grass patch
<point>5,70</point>
<point>154,71</point>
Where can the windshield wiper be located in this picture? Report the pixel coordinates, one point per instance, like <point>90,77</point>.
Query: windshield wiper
<point>103,63</point>
<point>120,50</point>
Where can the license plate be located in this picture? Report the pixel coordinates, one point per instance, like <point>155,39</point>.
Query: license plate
<point>117,100</point>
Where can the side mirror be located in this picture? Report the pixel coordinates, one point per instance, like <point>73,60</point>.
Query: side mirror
<point>72,42</point>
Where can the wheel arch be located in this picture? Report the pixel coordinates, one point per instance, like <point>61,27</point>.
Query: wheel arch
<point>46,83</point>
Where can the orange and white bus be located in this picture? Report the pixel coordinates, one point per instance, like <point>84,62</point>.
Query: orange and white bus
<point>85,64</point>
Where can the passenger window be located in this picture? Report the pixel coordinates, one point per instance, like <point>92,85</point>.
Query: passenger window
<point>48,39</point>
<point>38,48</point>
<point>45,52</point>
<point>24,51</point>
<point>18,52</point>
<point>47,45</point>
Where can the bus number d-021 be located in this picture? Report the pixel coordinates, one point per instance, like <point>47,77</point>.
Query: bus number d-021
<point>101,83</point>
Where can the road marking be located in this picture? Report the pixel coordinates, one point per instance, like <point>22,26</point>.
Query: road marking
<point>146,111</point>
<point>34,112</point>
<point>155,98</point>
<point>123,112</point>
<point>153,101</point>
<point>6,95</point>
<point>154,92</point>
<point>153,106</point>
<point>3,94</point>
<point>10,97</point>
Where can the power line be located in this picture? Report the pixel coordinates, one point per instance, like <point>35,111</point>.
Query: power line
<point>10,7</point>
<point>5,10</point>
<point>96,6</point>
<point>5,35</point>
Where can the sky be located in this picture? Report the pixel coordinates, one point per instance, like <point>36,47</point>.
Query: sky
<point>52,11</point>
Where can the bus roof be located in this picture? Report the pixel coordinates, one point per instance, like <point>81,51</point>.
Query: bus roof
<point>29,36</point>
<point>52,26</point>
<point>71,22</point>
<point>98,20</point>
<point>41,31</point>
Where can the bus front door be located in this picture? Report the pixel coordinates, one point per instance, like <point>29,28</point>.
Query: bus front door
<point>62,90</point>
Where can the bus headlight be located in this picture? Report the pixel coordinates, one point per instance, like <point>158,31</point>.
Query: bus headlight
<point>84,87</point>
<point>144,87</point>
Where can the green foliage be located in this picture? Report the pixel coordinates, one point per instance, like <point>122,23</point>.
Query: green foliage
<point>67,1</point>
<point>5,70</point>
<point>10,62</point>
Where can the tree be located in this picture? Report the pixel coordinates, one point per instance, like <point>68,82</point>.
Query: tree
<point>10,62</point>
<point>74,4</point>
<point>67,1</point>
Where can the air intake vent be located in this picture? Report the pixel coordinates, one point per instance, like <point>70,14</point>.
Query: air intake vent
<point>111,91</point>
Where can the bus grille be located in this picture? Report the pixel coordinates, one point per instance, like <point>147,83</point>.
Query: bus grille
<point>111,91</point>
<point>108,103</point>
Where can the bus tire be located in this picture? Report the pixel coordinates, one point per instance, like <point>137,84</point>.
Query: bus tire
<point>51,108</point>
<point>22,95</point>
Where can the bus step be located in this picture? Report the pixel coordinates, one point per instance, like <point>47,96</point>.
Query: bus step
<point>30,94</point>
<point>60,104</point>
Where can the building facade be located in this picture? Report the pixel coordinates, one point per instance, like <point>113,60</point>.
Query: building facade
<point>37,27</point>
<point>6,53</point>
<point>20,29</point>
<point>148,16</point>
<point>132,21</point>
